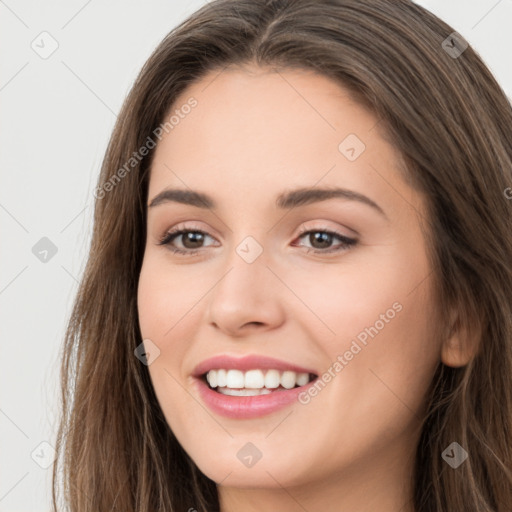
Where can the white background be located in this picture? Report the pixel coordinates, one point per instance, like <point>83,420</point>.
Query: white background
<point>57,116</point>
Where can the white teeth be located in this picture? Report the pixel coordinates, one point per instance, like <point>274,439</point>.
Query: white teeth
<point>288,380</point>
<point>254,379</point>
<point>234,379</point>
<point>272,379</point>
<point>221,378</point>
<point>211,377</point>
<point>229,381</point>
<point>302,379</point>
<point>244,392</point>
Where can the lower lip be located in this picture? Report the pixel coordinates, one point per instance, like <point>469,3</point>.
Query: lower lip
<point>246,407</point>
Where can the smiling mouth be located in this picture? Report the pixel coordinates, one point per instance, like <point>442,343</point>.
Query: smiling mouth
<point>254,382</point>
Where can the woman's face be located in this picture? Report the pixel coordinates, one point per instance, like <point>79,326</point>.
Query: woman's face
<point>284,286</point>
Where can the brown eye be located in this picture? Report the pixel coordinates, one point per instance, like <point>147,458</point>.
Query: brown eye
<point>191,240</point>
<point>321,241</point>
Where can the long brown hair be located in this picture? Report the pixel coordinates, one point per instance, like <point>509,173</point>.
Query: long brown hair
<point>451,122</point>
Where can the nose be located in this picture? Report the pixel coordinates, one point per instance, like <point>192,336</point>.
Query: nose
<point>247,298</point>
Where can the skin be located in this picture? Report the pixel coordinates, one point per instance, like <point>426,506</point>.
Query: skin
<point>254,134</point>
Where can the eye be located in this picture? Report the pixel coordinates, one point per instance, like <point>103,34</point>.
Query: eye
<point>191,239</point>
<point>322,239</point>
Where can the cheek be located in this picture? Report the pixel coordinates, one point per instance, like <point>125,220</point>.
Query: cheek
<point>164,298</point>
<point>387,352</point>
<point>168,316</point>
<point>382,349</point>
<point>161,303</point>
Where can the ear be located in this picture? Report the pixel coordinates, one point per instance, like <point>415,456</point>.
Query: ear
<point>461,344</point>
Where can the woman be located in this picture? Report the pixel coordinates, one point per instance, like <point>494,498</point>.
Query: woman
<point>299,289</point>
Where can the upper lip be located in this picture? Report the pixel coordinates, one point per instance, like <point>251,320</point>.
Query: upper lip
<point>250,362</point>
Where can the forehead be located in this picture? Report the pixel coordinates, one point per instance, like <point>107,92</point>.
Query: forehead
<point>277,108</point>
<point>260,130</point>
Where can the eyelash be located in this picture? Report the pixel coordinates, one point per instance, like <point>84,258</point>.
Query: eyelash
<point>346,242</point>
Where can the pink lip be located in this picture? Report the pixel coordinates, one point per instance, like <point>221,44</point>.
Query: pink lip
<point>246,407</point>
<point>253,362</point>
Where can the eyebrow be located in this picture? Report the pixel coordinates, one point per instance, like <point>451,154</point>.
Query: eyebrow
<point>286,200</point>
